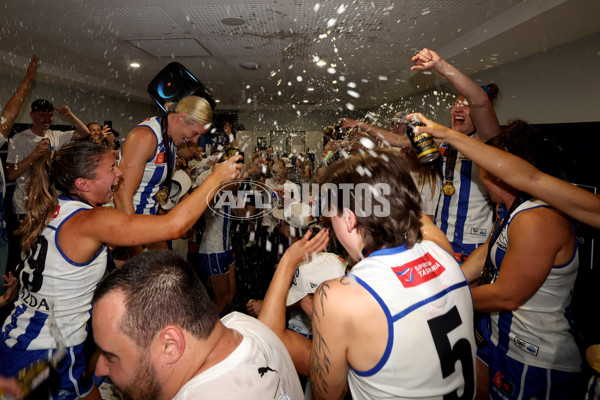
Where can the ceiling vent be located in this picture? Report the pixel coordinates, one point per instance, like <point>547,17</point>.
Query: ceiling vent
<point>171,47</point>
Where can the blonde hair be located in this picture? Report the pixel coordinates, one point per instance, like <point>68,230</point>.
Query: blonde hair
<point>197,110</point>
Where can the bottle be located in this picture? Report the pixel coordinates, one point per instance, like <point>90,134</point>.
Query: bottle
<point>31,377</point>
<point>427,150</point>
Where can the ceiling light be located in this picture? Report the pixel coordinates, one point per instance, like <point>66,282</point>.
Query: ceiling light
<point>233,21</point>
<point>311,89</point>
<point>134,65</point>
<point>249,65</point>
<point>217,101</point>
<point>321,63</point>
<point>305,101</point>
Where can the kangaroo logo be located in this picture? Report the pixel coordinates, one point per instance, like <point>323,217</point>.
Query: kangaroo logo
<point>263,370</point>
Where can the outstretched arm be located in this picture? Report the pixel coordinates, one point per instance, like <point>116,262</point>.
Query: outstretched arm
<point>273,308</point>
<point>521,175</point>
<point>88,230</point>
<point>482,111</point>
<point>377,133</point>
<point>13,106</point>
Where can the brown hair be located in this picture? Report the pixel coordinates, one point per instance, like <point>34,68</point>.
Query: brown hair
<point>50,173</point>
<point>388,167</point>
<point>527,142</point>
<point>160,289</point>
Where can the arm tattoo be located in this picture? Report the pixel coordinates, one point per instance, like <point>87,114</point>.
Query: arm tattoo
<point>344,280</point>
<point>319,365</point>
<point>321,296</point>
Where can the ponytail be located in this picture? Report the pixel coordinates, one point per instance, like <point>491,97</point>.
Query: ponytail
<point>51,173</point>
<point>42,200</point>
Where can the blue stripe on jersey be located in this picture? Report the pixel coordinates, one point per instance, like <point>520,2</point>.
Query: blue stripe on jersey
<point>388,347</point>
<point>36,323</point>
<point>463,199</point>
<point>147,191</point>
<point>389,251</point>
<point>504,324</point>
<point>423,302</point>
<point>67,259</point>
<point>13,321</point>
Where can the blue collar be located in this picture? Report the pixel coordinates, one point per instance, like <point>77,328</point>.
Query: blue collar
<point>387,251</point>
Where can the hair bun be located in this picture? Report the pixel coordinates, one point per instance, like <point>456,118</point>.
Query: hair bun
<point>492,90</point>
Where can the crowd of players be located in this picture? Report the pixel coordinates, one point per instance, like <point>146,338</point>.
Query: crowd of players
<point>460,289</point>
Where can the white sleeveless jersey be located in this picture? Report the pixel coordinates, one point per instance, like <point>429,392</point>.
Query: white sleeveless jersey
<point>538,332</point>
<point>217,233</point>
<point>50,282</point>
<point>466,216</point>
<point>431,348</point>
<point>155,170</point>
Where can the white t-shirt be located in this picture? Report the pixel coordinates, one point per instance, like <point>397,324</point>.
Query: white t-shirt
<point>19,147</point>
<point>259,368</point>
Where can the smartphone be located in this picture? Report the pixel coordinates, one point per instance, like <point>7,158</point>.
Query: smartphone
<point>108,123</point>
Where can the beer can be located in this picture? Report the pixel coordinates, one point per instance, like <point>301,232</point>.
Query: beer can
<point>423,143</point>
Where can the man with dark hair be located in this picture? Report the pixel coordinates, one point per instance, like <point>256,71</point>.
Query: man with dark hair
<point>26,145</point>
<point>160,338</point>
<point>418,342</point>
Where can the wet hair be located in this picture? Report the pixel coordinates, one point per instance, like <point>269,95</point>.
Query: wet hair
<point>50,173</point>
<point>402,225</point>
<point>197,110</point>
<point>525,141</point>
<point>160,289</point>
<point>492,90</point>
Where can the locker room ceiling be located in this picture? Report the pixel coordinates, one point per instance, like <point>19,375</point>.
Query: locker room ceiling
<point>367,45</point>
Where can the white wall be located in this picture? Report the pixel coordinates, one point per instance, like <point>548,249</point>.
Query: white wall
<point>87,106</point>
<point>559,85</point>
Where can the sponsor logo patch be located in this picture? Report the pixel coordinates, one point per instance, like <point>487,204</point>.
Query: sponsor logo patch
<point>418,271</point>
<point>503,384</point>
<point>479,231</point>
<point>160,158</point>
<point>526,346</point>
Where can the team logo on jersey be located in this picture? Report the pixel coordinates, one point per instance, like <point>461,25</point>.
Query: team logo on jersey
<point>56,212</point>
<point>479,231</point>
<point>503,384</point>
<point>419,271</point>
<point>526,346</point>
<point>502,241</point>
<point>160,158</point>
